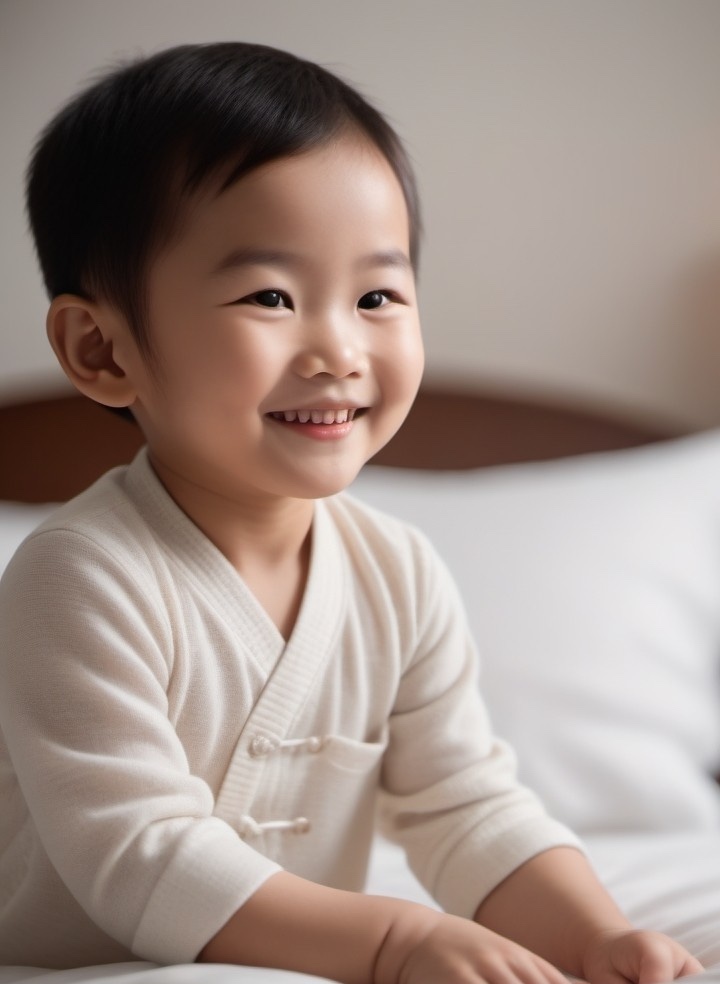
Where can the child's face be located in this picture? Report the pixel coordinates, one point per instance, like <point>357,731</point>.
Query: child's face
<point>290,295</point>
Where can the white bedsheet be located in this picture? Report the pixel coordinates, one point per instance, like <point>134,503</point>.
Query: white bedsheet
<point>147,973</point>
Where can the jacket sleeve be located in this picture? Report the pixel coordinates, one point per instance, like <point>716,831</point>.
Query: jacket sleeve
<point>85,664</point>
<point>451,795</point>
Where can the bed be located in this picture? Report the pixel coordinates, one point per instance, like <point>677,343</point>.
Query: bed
<point>587,549</point>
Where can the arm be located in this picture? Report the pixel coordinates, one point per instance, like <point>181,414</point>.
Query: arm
<point>293,924</point>
<point>553,903</point>
<point>326,932</point>
<point>555,906</point>
<point>85,664</point>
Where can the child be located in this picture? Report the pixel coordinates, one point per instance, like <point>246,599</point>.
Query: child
<point>211,662</point>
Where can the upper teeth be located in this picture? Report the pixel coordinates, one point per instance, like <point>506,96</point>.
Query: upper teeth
<point>315,416</point>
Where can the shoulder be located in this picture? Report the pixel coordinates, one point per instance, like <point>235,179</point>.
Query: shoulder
<point>91,571</point>
<point>390,548</point>
<point>101,531</point>
<point>359,523</point>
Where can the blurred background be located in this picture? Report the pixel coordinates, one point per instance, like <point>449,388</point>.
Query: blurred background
<point>568,153</point>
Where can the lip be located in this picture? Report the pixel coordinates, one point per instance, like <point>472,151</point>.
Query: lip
<point>322,405</point>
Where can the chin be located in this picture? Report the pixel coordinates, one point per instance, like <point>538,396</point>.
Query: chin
<point>321,486</point>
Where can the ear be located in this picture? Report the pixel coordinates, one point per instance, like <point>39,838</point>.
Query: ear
<point>92,344</point>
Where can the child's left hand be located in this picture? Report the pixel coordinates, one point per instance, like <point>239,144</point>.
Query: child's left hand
<point>637,956</point>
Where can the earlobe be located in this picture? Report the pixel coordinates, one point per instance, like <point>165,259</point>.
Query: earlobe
<point>84,337</point>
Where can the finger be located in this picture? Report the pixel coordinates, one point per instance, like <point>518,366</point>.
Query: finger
<point>534,970</point>
<point>518,966</point>
<point>657,966</point>
<point>691,966</point>
<point>554,976</point>
<point>495,969</point>
<point>610,976</point>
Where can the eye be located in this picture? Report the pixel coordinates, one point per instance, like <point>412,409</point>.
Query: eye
<point>269,299</point>
<point>375,299</point>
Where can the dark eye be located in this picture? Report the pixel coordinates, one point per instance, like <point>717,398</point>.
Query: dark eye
<point>270,298</point>
<point>373,299</point>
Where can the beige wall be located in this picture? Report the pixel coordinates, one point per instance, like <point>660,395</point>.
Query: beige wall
<point>568,150</point>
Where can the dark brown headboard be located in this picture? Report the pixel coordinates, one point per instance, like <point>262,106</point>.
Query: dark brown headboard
<point>52,448</point>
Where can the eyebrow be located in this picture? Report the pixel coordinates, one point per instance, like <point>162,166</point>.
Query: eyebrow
<point>243,257</point>
<point>386,258</point>
<point>254,257</point>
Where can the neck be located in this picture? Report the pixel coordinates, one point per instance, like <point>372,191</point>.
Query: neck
<point>265,530</point>
<point>265,538</point>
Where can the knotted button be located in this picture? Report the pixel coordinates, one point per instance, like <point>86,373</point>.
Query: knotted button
<point>250,827</point>
<point>261,746</point>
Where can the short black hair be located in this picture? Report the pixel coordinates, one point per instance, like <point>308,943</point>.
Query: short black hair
<point>109,173</point>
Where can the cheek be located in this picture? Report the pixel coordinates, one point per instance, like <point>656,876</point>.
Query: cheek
<point>405,361</point>
<point>210,363</point>
<point>399,374</point>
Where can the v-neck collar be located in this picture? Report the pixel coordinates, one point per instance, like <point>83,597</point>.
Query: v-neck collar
<point>292,668</point>
<point>213,574</point>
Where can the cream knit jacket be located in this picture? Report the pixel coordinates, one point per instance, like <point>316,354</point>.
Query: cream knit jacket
<point>163,750</point>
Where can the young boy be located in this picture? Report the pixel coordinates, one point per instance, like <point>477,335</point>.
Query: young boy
<point>211,663</point>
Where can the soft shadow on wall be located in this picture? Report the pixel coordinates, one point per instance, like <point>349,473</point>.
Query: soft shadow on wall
<point>697,334</point>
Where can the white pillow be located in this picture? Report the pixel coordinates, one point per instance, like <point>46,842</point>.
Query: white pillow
<point>593,590</point>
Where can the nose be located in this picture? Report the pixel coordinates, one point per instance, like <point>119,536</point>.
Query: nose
<point>333,346</point>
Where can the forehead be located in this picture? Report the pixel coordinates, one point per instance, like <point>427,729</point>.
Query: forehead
<point>342,197</point>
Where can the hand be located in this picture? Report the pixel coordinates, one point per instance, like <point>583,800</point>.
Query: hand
<point>442,949</point>
<point>640,957</point>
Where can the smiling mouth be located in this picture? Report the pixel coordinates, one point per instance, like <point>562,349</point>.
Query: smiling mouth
<point>316,416</point>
